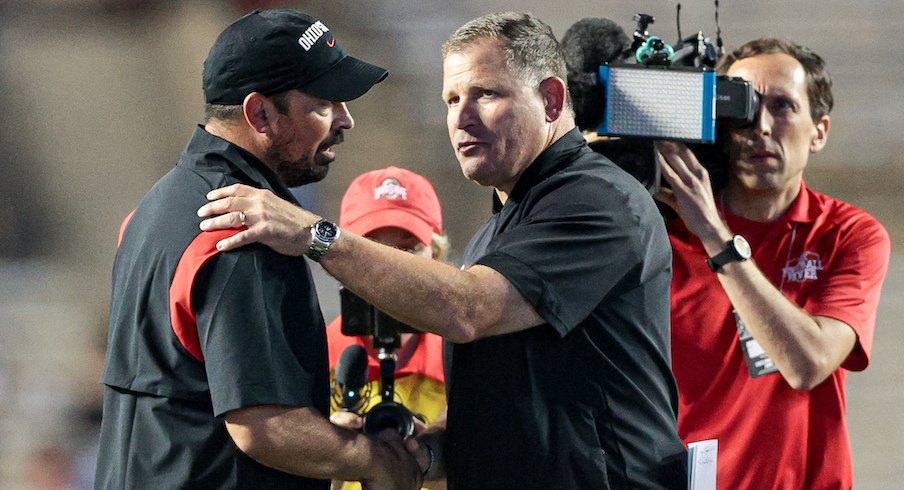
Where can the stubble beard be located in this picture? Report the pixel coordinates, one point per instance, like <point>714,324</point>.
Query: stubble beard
<point>309,169</point>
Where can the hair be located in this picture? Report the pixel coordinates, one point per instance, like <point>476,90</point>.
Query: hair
<point>819,84</point>
<point>439,246</point>
<point>531,49</point>
<point>234,113</point>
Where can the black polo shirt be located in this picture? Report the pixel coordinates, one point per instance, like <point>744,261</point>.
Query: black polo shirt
<point>586,400</point>
<point>195,333</point>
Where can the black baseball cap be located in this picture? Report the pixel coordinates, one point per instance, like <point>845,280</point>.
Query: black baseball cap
<point>272,51</point>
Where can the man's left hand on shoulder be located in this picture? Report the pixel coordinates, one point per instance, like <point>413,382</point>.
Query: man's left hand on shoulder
<point>268,219</point>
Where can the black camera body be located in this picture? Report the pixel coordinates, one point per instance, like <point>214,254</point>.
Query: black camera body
<point>360,318</point>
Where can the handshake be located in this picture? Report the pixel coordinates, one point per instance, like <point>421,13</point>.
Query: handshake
<point>401,450</point>
<point>400,465</point>
<point>424,454</point>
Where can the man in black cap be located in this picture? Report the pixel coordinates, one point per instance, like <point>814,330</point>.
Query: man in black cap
<point>216,371</point>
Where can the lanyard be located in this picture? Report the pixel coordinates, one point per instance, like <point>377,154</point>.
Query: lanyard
<point>781,285</point>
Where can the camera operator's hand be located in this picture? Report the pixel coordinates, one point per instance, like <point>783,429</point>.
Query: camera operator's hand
<point>419,425</point>
<point>419,451</point>
<point>691,194</point>
<point>348,420</point>
<point>396,468</point>
<point>428,449</point>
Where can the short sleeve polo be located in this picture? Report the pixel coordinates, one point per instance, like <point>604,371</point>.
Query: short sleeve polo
<point>586,400</point>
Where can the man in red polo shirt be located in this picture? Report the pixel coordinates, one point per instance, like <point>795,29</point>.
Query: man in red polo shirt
<point>775,286</point>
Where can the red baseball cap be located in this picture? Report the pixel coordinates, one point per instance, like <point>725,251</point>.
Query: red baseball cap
<point>392,196</point>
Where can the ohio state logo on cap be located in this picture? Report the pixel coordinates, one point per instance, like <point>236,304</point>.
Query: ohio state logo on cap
<point>312,34</point>
<point>391,189</point>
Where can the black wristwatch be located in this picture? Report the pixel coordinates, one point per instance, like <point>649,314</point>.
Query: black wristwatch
<point>323,234</point>
<point>736,250</point>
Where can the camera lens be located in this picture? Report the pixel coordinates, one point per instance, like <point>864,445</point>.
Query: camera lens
<point>389,415</point>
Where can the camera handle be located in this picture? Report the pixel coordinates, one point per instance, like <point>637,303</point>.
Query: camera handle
<point>388,414</point>
<point>387,357</point>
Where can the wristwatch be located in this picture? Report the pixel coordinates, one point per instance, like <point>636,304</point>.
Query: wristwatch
<point>736,250</point>
<point>323,234</point>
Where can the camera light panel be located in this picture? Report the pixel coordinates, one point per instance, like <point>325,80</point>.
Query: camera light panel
<point>661,103</point>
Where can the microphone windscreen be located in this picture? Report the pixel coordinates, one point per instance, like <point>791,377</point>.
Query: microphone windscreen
<point>588,44</point>
<point>592,42</point>
<point>351,370</point>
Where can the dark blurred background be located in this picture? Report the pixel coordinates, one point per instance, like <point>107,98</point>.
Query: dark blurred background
<point>98,98</point>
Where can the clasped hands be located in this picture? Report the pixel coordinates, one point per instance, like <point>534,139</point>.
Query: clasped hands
<point>418,450</point>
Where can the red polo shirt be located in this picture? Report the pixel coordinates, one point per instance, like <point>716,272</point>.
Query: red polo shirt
<point>427,359</point>
<point>828,257</point>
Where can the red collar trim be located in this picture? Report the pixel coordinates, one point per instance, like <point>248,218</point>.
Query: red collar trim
<point>806,208</point>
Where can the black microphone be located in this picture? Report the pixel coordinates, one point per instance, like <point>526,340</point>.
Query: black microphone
<point>351,376</point>
<point>588,44</point>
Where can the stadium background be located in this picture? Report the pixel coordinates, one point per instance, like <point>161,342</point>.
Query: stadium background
<point>99,96</point>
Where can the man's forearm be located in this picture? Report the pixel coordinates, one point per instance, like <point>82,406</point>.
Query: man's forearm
<point>435,297</point>
<point>805,349</point>
<point>461,305</point>
<point>302,442</point>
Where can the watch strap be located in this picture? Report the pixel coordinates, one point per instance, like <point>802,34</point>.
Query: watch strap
<point>716,262</point>
<point>729,254</point>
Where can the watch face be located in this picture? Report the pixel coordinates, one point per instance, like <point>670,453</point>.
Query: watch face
<point>326,230</point>
<point>741,246</point>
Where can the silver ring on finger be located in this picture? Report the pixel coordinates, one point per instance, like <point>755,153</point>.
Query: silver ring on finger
<point>242,217</point>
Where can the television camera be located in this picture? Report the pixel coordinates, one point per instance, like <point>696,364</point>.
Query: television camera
<point>634,91</point>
